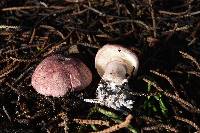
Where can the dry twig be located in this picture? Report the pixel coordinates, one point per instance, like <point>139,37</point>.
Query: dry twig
<point>160,127</point>
<point>118,126</point>
<point>65,121</point>
<point>153,18</point>
<point>182,102</point>
<point>163,76</point>
<point>187,56</point>
<point>188,121</point>
<point>92,122</point>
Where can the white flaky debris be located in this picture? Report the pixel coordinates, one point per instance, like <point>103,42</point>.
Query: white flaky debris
<point>112,95</point>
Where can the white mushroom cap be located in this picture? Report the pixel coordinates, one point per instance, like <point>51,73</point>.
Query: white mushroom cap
<point>109,53</point>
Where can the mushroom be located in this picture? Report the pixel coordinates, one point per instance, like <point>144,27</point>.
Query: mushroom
<point>56,75</point>
<point>115,64</point>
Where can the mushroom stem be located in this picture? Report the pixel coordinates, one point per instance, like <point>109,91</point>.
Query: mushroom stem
<point>115,72</point>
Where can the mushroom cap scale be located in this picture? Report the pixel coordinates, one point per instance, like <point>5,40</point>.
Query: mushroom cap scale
<point>57,75</point>
<point>109,53</point>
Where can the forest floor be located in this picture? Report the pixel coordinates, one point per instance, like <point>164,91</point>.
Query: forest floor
<point>166,89</point>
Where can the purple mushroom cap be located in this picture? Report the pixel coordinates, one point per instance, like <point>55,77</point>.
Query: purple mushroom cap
<point>56,75</point>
